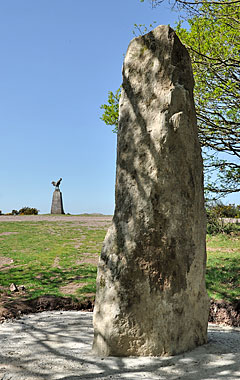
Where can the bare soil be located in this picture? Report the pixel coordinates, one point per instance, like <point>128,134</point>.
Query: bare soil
<point>15,308</point>
<point>90,221</point>
<point>225,312</point>
<point>5,262</point>
<point>221,312</point>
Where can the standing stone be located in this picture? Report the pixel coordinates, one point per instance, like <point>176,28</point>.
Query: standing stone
<point>151,297</point>
<point>57,202</point>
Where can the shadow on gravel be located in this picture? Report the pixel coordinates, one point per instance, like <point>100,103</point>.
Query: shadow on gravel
<point>57,346</point>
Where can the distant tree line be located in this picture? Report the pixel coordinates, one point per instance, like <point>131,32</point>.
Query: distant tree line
<point>23,211</point>
<point>224,211</point>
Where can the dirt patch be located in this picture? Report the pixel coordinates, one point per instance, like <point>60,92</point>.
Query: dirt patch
<point>78,245</point>
<point>10,309</point>
<point>225,313</point>
<point>221,312</point>
<point>8,233</point>
<point>72,287</point>
<point>222,249</point>
<point>5,262</point>
<point>88,258</point>
<point>90,295</point>
<point>56,262</point>
<point>88,221</point>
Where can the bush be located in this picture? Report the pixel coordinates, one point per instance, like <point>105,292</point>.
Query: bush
<point>15,212</point>
<point>28,211</point>
<point>215,225</point>
<point>232,229</point>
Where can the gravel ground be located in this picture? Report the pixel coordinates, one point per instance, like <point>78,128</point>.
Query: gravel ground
<point>91,220</point>
<point>57,346</point>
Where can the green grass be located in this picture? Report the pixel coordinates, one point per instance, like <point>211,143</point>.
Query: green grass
<point>223,267</point>
<point>57,258</point>
<point>50,255</point>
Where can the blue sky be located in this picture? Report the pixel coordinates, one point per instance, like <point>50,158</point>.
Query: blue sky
<point>59,59</point>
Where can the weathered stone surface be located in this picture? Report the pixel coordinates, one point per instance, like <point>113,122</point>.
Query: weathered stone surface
<point>151,297</point>
<point>13,288</point>
<point>57,203</point>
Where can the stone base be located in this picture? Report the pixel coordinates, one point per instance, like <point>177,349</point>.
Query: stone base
<point>57,203</point>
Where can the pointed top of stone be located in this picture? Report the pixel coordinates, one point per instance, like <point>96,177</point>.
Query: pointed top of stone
<point>161,46</point>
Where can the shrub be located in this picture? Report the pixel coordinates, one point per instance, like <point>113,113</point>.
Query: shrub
<point>231,229</point>
<point>28,211</point>
<point>15,212</point>
<point>215,225</point>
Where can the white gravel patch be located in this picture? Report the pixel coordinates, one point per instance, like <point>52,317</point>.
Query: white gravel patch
<point>57,346</point>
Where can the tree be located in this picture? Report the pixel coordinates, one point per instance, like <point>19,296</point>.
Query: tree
<point>193,7</point>
<point>110,114</point>
<point>28,211</point>
<point>213,41</point>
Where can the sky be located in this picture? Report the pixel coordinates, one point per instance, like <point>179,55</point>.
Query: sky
<point>59,59</point>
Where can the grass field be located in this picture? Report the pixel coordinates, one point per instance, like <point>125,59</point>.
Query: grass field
<point>57,258</point>
<point>60,258</point>
<point>223,267</point>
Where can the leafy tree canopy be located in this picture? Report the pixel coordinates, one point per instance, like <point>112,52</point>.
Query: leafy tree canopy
<point>110,114</point>
<point>213,41</point>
